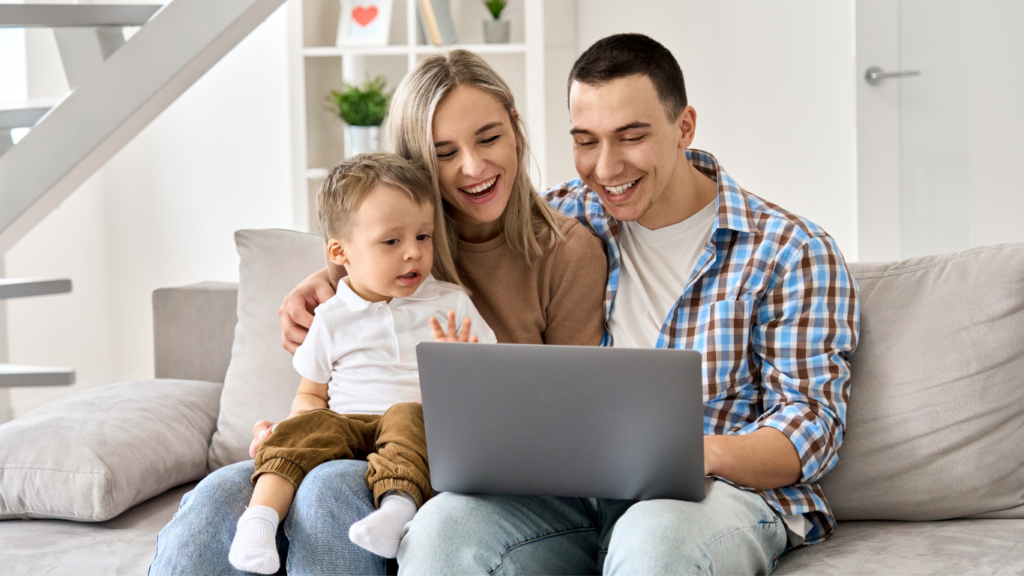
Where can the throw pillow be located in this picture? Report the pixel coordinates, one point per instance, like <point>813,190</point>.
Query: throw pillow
<point>260,382</point>
<point>92,455</point>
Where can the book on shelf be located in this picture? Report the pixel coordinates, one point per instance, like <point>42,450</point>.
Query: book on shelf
<point>436,22</point>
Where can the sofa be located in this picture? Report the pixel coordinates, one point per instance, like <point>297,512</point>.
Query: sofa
<point>930,477</point>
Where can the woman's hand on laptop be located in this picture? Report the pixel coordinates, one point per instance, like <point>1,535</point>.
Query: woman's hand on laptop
<point>451,335</point>
<point>296,312</point>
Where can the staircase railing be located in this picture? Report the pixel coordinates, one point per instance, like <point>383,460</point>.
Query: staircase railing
<point>115,102</point>
<point>118,88</point>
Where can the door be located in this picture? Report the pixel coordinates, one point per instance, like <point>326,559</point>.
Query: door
<point>939,151</point>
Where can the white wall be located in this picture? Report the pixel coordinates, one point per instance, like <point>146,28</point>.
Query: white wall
<point>161,213</point>
<point>774,88</point>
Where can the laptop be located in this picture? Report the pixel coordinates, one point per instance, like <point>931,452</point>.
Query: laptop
<point>569,421</point>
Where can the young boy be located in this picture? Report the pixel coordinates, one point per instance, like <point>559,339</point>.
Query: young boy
<point>359,396</point>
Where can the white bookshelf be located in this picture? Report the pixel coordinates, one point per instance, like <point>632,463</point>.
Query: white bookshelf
<point>317,66</point>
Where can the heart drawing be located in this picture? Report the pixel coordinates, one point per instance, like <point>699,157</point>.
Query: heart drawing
<point>363,15</point>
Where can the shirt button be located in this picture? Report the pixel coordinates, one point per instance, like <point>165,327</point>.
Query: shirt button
<point>399,329</point>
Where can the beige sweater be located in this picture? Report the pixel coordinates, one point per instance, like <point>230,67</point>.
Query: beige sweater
<point>557,299</point>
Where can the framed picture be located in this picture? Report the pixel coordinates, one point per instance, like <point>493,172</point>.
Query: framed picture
<point>364,22</point>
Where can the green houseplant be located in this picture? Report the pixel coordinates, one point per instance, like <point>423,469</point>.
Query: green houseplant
<point>496,30</point>
<point>362,108</point>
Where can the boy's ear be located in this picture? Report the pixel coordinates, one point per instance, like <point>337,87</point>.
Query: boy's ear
<point>336,252</point>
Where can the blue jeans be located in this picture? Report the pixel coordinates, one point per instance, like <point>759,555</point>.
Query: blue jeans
<point>313,539</point>
<point>730,532</point>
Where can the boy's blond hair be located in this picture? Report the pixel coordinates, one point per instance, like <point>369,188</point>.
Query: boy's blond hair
<point>352,181</point>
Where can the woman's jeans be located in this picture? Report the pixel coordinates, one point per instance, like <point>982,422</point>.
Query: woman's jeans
<point>730,532</point>
<point>313,539</point>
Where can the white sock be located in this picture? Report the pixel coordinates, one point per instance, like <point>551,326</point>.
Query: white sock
<point>254,548</point>
<point>381,532</point>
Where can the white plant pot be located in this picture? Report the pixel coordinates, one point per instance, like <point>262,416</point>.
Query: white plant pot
<point>361,139</point>
<point>496,31</point>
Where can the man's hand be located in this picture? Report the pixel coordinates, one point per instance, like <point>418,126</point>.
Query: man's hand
<point>296,312</point>
<point>260,433</point>
<point>763,460</point>
<point>451,336</point>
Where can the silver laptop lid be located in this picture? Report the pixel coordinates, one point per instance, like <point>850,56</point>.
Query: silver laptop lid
<point>563,420</point>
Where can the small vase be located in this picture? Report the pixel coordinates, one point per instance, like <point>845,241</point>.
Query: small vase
<point>361,139</point>
<point>496,31</point>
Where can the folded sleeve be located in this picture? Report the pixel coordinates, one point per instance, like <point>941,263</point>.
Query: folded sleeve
<point>312,360</point>
<point>805,331</point>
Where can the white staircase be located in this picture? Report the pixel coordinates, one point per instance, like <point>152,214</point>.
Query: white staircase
<point>118,88</point>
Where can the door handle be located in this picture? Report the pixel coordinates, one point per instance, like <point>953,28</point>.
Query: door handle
<point>874,75</point>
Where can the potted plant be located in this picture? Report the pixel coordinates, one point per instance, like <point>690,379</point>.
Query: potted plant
<point>496,31</point>
<point>362,108</point>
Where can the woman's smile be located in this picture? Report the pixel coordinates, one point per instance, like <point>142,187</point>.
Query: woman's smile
<point>483,192</point>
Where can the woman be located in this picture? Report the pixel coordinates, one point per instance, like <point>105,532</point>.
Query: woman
<point>535,276</point>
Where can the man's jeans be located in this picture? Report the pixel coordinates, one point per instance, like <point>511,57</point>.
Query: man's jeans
<point>730,532</point>
<point>313,539</point>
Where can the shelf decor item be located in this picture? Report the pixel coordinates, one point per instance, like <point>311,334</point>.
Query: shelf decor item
<point>363,109</point>
<point>436,22</point>
<point>496,30</point>
<point>364,22</point>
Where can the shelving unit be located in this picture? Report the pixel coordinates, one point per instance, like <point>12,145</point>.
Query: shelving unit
<point>317,66</point>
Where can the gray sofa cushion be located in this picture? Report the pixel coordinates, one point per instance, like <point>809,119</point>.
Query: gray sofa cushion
<point>92,455</point>
<point>949,547</point>
<point>120,546</point>
<point>260,382</point>
<point>935,427</point>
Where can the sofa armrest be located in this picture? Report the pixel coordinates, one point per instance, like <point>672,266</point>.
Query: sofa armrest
<point>193,330</point>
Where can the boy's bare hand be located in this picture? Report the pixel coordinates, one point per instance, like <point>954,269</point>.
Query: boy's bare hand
<point>451,336</point>
<point>260,433</point>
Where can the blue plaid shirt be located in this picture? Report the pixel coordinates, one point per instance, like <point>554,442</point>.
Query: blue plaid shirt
<point>773,310</point>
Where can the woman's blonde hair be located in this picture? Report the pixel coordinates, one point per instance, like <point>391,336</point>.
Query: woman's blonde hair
<point>408,131</point>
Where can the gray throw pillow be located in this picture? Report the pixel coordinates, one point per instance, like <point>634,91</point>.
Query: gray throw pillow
<point>935,427</point>
<point>260,382</point>
<point>92,455</point>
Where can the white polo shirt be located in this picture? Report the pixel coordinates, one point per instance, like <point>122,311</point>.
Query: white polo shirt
<point>366,351</point>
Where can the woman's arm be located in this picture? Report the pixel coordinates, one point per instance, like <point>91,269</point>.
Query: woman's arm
<point>578,277</point>
<point>296,312</point>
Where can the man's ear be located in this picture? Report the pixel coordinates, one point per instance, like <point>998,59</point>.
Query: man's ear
<point>687,124</point>
<point>336,252</point>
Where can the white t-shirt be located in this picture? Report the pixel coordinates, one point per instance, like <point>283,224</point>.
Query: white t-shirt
<point>366,351</point>
<point>654,267</point>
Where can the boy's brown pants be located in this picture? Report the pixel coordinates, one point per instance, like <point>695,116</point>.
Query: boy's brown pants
<point>394,445</point>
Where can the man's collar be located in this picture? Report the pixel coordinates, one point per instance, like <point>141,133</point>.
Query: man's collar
<point>427,290</point>
<point>733,210</point>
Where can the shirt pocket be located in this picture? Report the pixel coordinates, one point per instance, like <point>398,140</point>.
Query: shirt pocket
<point>726,330</point>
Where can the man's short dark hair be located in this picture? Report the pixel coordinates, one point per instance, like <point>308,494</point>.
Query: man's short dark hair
<point>624,55</point>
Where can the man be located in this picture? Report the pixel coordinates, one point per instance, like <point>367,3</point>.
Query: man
<point>695,262</point>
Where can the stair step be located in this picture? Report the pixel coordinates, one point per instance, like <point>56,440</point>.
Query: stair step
<point>12,375</point>
<point>24,114</point>
<point>25,287</point>
<point>59,15</point>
